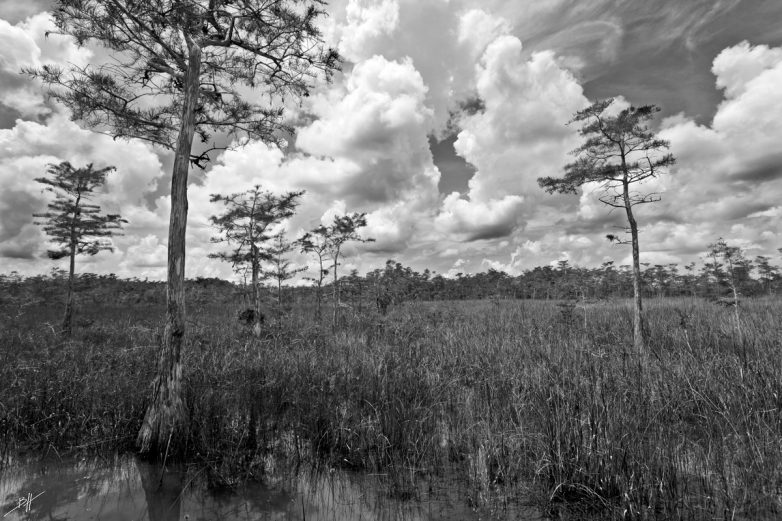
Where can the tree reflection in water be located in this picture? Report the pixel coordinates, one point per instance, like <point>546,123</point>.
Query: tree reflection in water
<point>126,489</point>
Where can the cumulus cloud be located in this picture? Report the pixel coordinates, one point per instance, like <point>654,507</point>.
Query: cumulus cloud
<point>726,182</point>
<point>378,129</point>
<point>442,38</point>
<point>366,21</point>
<point>478,29</point>
<point>479,220</point>
<point>27,44</point>
<point>731,169</point>
<point>519,136</point>
<point>29,147</point>
<point>418,69</point>
<point>727,179</point>
<point>736,67</point>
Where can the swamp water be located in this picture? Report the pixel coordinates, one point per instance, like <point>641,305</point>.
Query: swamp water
<point>126,489</point>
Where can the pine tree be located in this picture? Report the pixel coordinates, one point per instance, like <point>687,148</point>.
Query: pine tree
<point>75,223</point>
<point>619,153</point>
<point>280,268</point>
<point>316,242</point>
<point>245,226</point>
<point>344,229</point>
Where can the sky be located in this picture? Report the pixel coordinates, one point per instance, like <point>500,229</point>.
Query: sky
<point>444,116</point>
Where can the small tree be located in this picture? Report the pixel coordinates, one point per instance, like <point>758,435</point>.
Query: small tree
<point>344,229</point>
<point>690,279</point>
<point>316,242</point>
<point>180,69</point>
<point>75,223</point>
<point>767,272</point>
<point>281,268</point>
<point>245,227</point>
<point>620,152</point>
<point>356,285</point>
<point>733,268</point>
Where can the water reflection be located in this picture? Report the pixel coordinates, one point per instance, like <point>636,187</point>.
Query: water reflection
<point>126,489</point>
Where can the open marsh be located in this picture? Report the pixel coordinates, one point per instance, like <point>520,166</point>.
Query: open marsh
<point>523,402</point>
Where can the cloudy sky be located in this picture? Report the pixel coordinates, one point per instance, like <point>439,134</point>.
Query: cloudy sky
<point>446,113</point>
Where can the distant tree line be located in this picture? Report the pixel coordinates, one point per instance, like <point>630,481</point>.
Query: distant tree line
<point>725,274</point>
<point>720,277</point>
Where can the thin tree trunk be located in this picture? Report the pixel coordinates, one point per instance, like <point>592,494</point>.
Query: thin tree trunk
<point>67,321</point>
<point>639,341</point>
<point>321,278</point>
<point>256,296</point>
<point>335,293</point>
<point>166,410</point>
<point>736,311</point>
<point>279,295</point>
<point>318,298</point>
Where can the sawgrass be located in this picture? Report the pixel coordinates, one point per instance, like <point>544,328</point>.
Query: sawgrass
<point>525,400</point>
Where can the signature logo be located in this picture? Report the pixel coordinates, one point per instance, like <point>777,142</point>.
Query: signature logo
<point>24,503</point>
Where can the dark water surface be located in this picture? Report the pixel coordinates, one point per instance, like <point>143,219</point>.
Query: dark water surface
<point>125,489</point>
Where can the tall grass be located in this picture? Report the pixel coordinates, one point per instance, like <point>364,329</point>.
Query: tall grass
<point>525,400</point>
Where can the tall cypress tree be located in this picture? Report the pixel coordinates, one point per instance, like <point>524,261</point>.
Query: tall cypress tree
<point>184,69</point>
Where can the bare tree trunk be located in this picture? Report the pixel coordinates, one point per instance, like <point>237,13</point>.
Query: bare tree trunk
<point>736,316</point>
<point>735,292</point>
<point>335,293</point>
<point>638,333</point>
<point>319,292</point>
<point>256,297</point>
<point>279,295</point>
<point>67,321</point>
<point>639,342</point>
<point>318,298</point>
<point>166,410</point>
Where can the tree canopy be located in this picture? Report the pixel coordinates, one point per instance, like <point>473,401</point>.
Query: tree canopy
<point>618,151</point>
<point>246,221</point>
<point>71,221</point>
<point>248,56</point>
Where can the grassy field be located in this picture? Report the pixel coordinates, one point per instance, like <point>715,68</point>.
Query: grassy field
<point>523,399</point>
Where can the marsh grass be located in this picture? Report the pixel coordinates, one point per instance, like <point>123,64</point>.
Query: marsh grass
<point>522,401</point>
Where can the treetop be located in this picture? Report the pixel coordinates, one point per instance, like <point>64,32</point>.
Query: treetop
<point>618,150</point>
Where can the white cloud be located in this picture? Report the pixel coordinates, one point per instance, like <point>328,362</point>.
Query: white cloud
<point>27,44</point>
<point>736,67</point>
<point>731,170</point>
<point>29,147</point>
<point>479,220</point>
<point>520,136</point>
<point>148,252</point>
<point>366,20</point>
<point>478,29</point>
<point>366,148</point>
<point>337,209</point>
